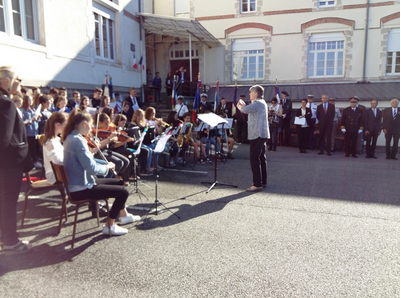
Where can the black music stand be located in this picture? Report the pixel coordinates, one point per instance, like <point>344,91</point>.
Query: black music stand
<point>135,155</point>
<point>214,120</point>
<point>158,203</point>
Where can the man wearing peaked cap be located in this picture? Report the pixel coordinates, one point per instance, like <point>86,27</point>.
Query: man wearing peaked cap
<point>180,107</point>
<point>351,126</point>
<point>204,106</point>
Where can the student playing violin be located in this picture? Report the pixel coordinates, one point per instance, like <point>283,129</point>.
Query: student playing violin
<point>81,170</point>
<point>108,140</point>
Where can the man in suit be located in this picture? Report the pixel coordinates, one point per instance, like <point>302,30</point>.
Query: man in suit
<point>359,142</point>
<point>351,126</point>
<point>325,115</point>
<point>391,128</point>
<point>204,106</point>
<point>224,108</point>
<point>372,128</point>
<point>132,102</point>
<point>13,154</point>
<point>286,105</point>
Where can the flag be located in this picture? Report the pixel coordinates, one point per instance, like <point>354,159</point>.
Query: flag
<point>233,109</point>
<point>196,101</point>
<point>174,96</point>
<point>134,65</point>
<point>277,91</point>
<point>106,87</point>
<point>216,96</point>
<point>112,97</point>
<point>141,63</point>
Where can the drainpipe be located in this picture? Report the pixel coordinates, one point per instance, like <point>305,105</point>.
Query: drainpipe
<point>366,41</point>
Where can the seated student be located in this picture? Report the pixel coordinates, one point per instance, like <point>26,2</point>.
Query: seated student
<point>84,102</point>
<point>222,137</point>
<point>81,170</point>
<point>174,123</point>
<point>104,102</point>
<point>137,126</point>
<point>108,140</point>
<point>150,121</point>
<point>62,105</point>
<point>53,150</point>
<point>185,138</point>
<point>207,137</point>
<point>125,146</point>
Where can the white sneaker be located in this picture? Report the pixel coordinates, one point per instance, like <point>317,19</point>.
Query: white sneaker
<point>129,219</point>
<point>115,230</point>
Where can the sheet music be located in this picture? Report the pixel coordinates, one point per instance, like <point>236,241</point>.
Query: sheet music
<point>227,125</point>
<point>37,111</point>
<point>161,144</point>
<point>212,119</point>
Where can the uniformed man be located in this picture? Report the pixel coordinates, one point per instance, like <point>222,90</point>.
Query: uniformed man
<point>224,108</point>
<point>351,126</point>
<point>204,106</point>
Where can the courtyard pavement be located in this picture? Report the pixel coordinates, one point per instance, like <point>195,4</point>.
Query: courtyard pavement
<point>325,226</point>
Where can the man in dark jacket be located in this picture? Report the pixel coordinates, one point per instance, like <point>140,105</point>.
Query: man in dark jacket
<point>351,126</point>
<point>391,128</point>
<point>325,115</point>
<point>13,154</point>
<point>287,109</point>
<point>372,128</point>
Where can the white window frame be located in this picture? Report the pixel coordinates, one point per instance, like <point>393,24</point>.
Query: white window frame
<point>393,51</point>
<point>9,20</point>
<point>244,49</point>
<point>182,8</point>
<point>109,15</point>
<point>329,3</point>
<point>322,44</point>
<point>248,3</point>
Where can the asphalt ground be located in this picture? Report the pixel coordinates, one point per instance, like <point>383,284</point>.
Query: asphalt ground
<point>325,226</point>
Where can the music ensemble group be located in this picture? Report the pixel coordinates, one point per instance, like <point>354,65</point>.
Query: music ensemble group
<point>98,151</point>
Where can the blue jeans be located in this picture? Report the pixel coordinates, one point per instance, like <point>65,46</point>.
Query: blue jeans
<point>209,141</point>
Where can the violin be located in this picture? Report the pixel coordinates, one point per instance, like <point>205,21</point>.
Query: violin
<point>90,143</point>
<point>122,136</point>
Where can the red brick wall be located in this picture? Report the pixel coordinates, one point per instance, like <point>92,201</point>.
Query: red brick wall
<point>327,20</point>
<point>249,25</point>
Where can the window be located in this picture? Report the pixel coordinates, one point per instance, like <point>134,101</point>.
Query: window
<point>393,52</point>
<point>19,18</point>
<point>248,59</point>
<point>326,3</point>
<point>181,51</point>
<point>326,55</point>
<point>248,5</point>
<point>104,32</point>
<point>182,8</point>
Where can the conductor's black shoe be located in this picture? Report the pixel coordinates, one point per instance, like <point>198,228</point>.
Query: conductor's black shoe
<point>320,153</point>
<point>230,156</point>
<point>354,155</point>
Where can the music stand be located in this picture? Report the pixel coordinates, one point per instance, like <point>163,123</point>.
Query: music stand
<point>158,203</point>
<point>214,120</point>
<point>135,157</point>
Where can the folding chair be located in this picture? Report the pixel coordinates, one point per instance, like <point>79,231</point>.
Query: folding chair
<point>33,186</point>
<point>62,180</point>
